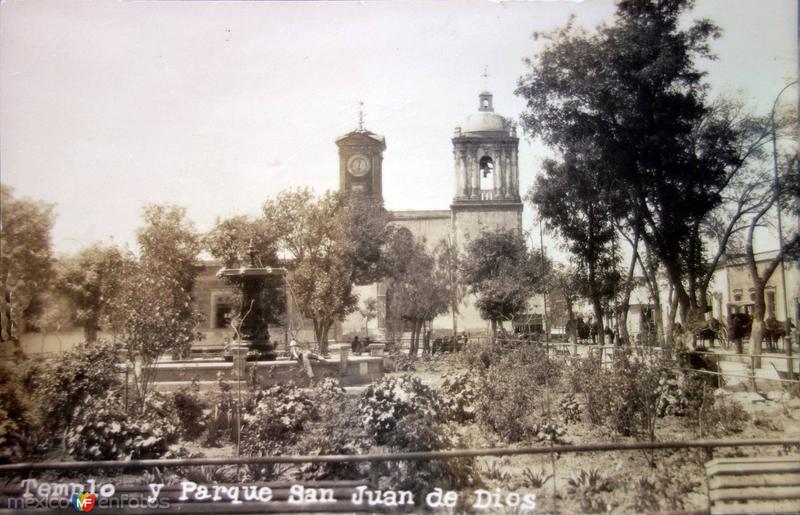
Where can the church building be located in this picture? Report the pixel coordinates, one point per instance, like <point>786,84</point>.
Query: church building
<point>485,194</point>
<point>485,197</point>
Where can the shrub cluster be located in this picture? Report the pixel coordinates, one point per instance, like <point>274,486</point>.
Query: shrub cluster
<point>334,430</point>
<point>460,393</point>
<point>101,430</point>
<point>18,417</point>
<point>87,371</point>
<point>388,401</point>
<point>507,405</point>
<point>403,414</point>
<point>276,420</point>
<point>624,396</point>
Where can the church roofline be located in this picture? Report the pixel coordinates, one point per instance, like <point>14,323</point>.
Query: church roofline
<point>480,205</point>
<point>371,135</point>
<point>397,216</point>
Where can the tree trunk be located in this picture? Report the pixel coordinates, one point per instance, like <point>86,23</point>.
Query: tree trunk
<point>625,304</point>
<point>597,308</point>
<point>412,345</point>
<point>90,332</point>
<point>658,314</point>
<point>757,329</point>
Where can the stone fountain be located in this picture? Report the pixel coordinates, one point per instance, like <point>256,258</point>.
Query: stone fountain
<point>252,333</point>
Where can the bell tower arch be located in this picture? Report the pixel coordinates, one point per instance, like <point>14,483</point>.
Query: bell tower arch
<point>485,154</point>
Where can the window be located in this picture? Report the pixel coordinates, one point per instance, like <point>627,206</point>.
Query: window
<point>223,315</point>
<point>737,295</point>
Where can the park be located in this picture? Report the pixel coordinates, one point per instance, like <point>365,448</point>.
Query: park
<point>619,337</point>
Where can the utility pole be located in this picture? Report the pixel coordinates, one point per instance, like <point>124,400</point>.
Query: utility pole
<point>545,324</point>
<point>788,337</point>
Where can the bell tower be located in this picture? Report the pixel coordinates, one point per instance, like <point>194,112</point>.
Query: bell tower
<point>485,151</point>
<point>361,162</point>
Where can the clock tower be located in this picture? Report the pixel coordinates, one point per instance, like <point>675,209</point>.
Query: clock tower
<point>361,163</point>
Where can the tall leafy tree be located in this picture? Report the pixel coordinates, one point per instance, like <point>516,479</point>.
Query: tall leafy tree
<point>368,231</point>
<point>419,290</point>
<point>91,280</point>
<point>633,91</point>
<point>786,190</point>
<point>154,315</point>
<point>570,197</point>
<point>497,271</point>
<point>169,244</point>
<point>314,232</point>
<point>25,260</point>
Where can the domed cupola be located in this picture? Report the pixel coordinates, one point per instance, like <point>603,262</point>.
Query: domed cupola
<point>485,120</point>
<point>485,150</point>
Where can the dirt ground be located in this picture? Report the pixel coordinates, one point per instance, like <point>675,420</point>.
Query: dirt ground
<point>679,475</point>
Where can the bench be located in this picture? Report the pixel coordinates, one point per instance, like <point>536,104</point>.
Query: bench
<point>769,484</point>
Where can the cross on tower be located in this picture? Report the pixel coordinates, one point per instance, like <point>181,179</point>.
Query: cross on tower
<point>485,76</point>
<point>360,116</point>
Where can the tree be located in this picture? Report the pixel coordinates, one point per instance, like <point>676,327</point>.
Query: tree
<point>155,318</point>
<point>787,188</point>
<point>169,244</point>
<point>155,315</point>
<point>448,264</point>
<point>632,91</point>
<point>25,260</point>
<point>368,231</point>
<point>231,238</point>
<point>497,271</point>
<point>575,204</point>
<point>419,291</point>
<point>315,233</point>
<point>91,280</point>
<point>368,312</point>
<point>230,241</point>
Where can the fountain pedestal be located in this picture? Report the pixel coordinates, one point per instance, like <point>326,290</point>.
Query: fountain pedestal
<point>252,333</point>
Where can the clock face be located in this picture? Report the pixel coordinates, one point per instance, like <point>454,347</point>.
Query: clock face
<point>358,165</point>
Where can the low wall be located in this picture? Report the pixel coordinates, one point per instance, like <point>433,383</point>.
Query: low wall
<point>359,370</point>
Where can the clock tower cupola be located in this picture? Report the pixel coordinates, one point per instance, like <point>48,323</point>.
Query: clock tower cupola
<point>361,162</point>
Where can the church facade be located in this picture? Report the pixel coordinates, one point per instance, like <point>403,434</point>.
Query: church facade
<point>485,197</point>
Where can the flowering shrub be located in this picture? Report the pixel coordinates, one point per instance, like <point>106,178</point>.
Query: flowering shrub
<point>680,394</point>
<point>385,403</point>
<point>87,371</point>
<point>418,432</point>
<point>459,395</point>
<point>625,397</point>
<point>274,423</point>
<point>335,429</point>
<point>100,430</point>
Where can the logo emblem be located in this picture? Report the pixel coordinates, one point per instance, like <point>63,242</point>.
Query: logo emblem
<point>84,501</point>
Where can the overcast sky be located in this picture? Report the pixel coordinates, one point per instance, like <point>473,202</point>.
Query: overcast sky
<point>217,106</point>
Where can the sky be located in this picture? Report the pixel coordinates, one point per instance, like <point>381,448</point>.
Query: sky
<point>106,106</point>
